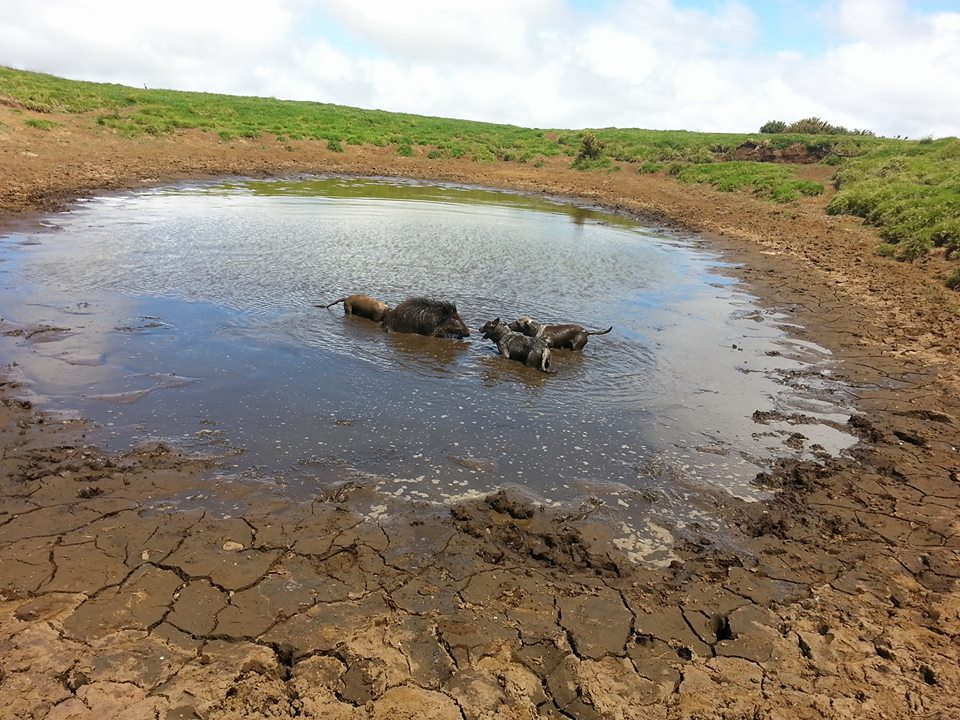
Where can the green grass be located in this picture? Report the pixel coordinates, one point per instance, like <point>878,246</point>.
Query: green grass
<point>41,124</point>
<point>768,180</point>
<point>137,112</point>
<point>911,193</point>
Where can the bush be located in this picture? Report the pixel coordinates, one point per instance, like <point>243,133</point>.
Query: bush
<point>405,150</point>
<point>811,126</point>
<point>334,146</point>
<point>591,147</point>
<point>773,126</point>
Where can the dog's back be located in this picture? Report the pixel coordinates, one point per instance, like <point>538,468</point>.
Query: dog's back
<point>531,351</point>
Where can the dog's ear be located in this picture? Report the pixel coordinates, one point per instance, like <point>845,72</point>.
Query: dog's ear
<point>495,321</point>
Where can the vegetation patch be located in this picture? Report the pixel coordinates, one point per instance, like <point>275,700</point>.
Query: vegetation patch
<point>810,126</point>
<point>41,124</point>
<point>910,193</point>
<point>775,182</point>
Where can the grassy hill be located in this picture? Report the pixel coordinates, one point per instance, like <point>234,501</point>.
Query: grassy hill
<point>910,190</point>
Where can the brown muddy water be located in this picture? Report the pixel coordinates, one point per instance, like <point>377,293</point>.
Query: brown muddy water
<point>186,314</point>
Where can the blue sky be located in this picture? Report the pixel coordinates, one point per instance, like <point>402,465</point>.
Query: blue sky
<point>722,65</point>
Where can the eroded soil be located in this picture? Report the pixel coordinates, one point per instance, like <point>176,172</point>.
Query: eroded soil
<point>837,599</point>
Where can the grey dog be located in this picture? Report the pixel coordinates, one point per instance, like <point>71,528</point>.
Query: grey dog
<point>532,352</point>
<point>567,336</point>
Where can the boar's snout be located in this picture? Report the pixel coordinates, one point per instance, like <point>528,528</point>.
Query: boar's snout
<point>456,327</point>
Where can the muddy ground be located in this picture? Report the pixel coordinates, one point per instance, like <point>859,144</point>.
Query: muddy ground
<point>838,598</point>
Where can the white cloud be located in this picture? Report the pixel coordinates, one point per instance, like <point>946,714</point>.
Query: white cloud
<point>544,63</point>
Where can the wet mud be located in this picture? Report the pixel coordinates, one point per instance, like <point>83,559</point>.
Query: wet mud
<point>836,598</point>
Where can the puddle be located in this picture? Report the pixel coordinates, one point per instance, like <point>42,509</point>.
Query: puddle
<point>187,314</point>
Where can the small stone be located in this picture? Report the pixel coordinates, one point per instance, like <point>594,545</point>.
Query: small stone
<point>232,546</point>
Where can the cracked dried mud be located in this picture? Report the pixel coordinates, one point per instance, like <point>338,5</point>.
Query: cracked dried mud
<point>839,600</point>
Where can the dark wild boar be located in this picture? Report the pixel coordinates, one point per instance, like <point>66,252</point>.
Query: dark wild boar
<point>426,316</point>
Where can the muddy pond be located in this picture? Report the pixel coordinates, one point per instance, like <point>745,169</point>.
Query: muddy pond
<point>186,314</point>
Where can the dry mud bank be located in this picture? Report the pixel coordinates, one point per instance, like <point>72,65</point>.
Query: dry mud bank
<point>836,599</point>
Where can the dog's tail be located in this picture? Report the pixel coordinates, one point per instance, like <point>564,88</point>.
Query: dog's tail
<point>331,304</point>
<point>599,332</point>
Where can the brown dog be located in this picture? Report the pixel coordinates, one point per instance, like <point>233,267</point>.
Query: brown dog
<point>362,305</point>
<point>567,336</point>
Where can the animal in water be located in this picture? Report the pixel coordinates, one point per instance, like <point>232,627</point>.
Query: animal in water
<point>426,316</point>
<point>567,336</point>
<point>362,305</point>
<point>531,351</point>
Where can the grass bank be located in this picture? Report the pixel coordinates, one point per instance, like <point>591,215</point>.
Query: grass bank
<point>909,190</point>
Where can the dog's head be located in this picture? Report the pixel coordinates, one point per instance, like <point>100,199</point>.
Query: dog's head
<point>524,324</point>
<point>493,329</point>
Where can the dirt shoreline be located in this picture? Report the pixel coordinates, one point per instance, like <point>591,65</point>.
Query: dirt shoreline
<point>841,600</point>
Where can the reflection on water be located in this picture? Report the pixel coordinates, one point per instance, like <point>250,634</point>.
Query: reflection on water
<point>194,306</point>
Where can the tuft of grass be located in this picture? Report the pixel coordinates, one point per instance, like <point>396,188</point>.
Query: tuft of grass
<point>886,250</point>
<point>953,281</point>
<point>405,150</point>
<point>775,182</point>
<point>335,146</point>
<point>41,124</point>
<point>648,167</point>
<point>602,163</point>
<point>910,192</point>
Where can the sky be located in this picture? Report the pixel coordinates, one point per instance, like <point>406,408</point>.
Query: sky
<point>891,66</point>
